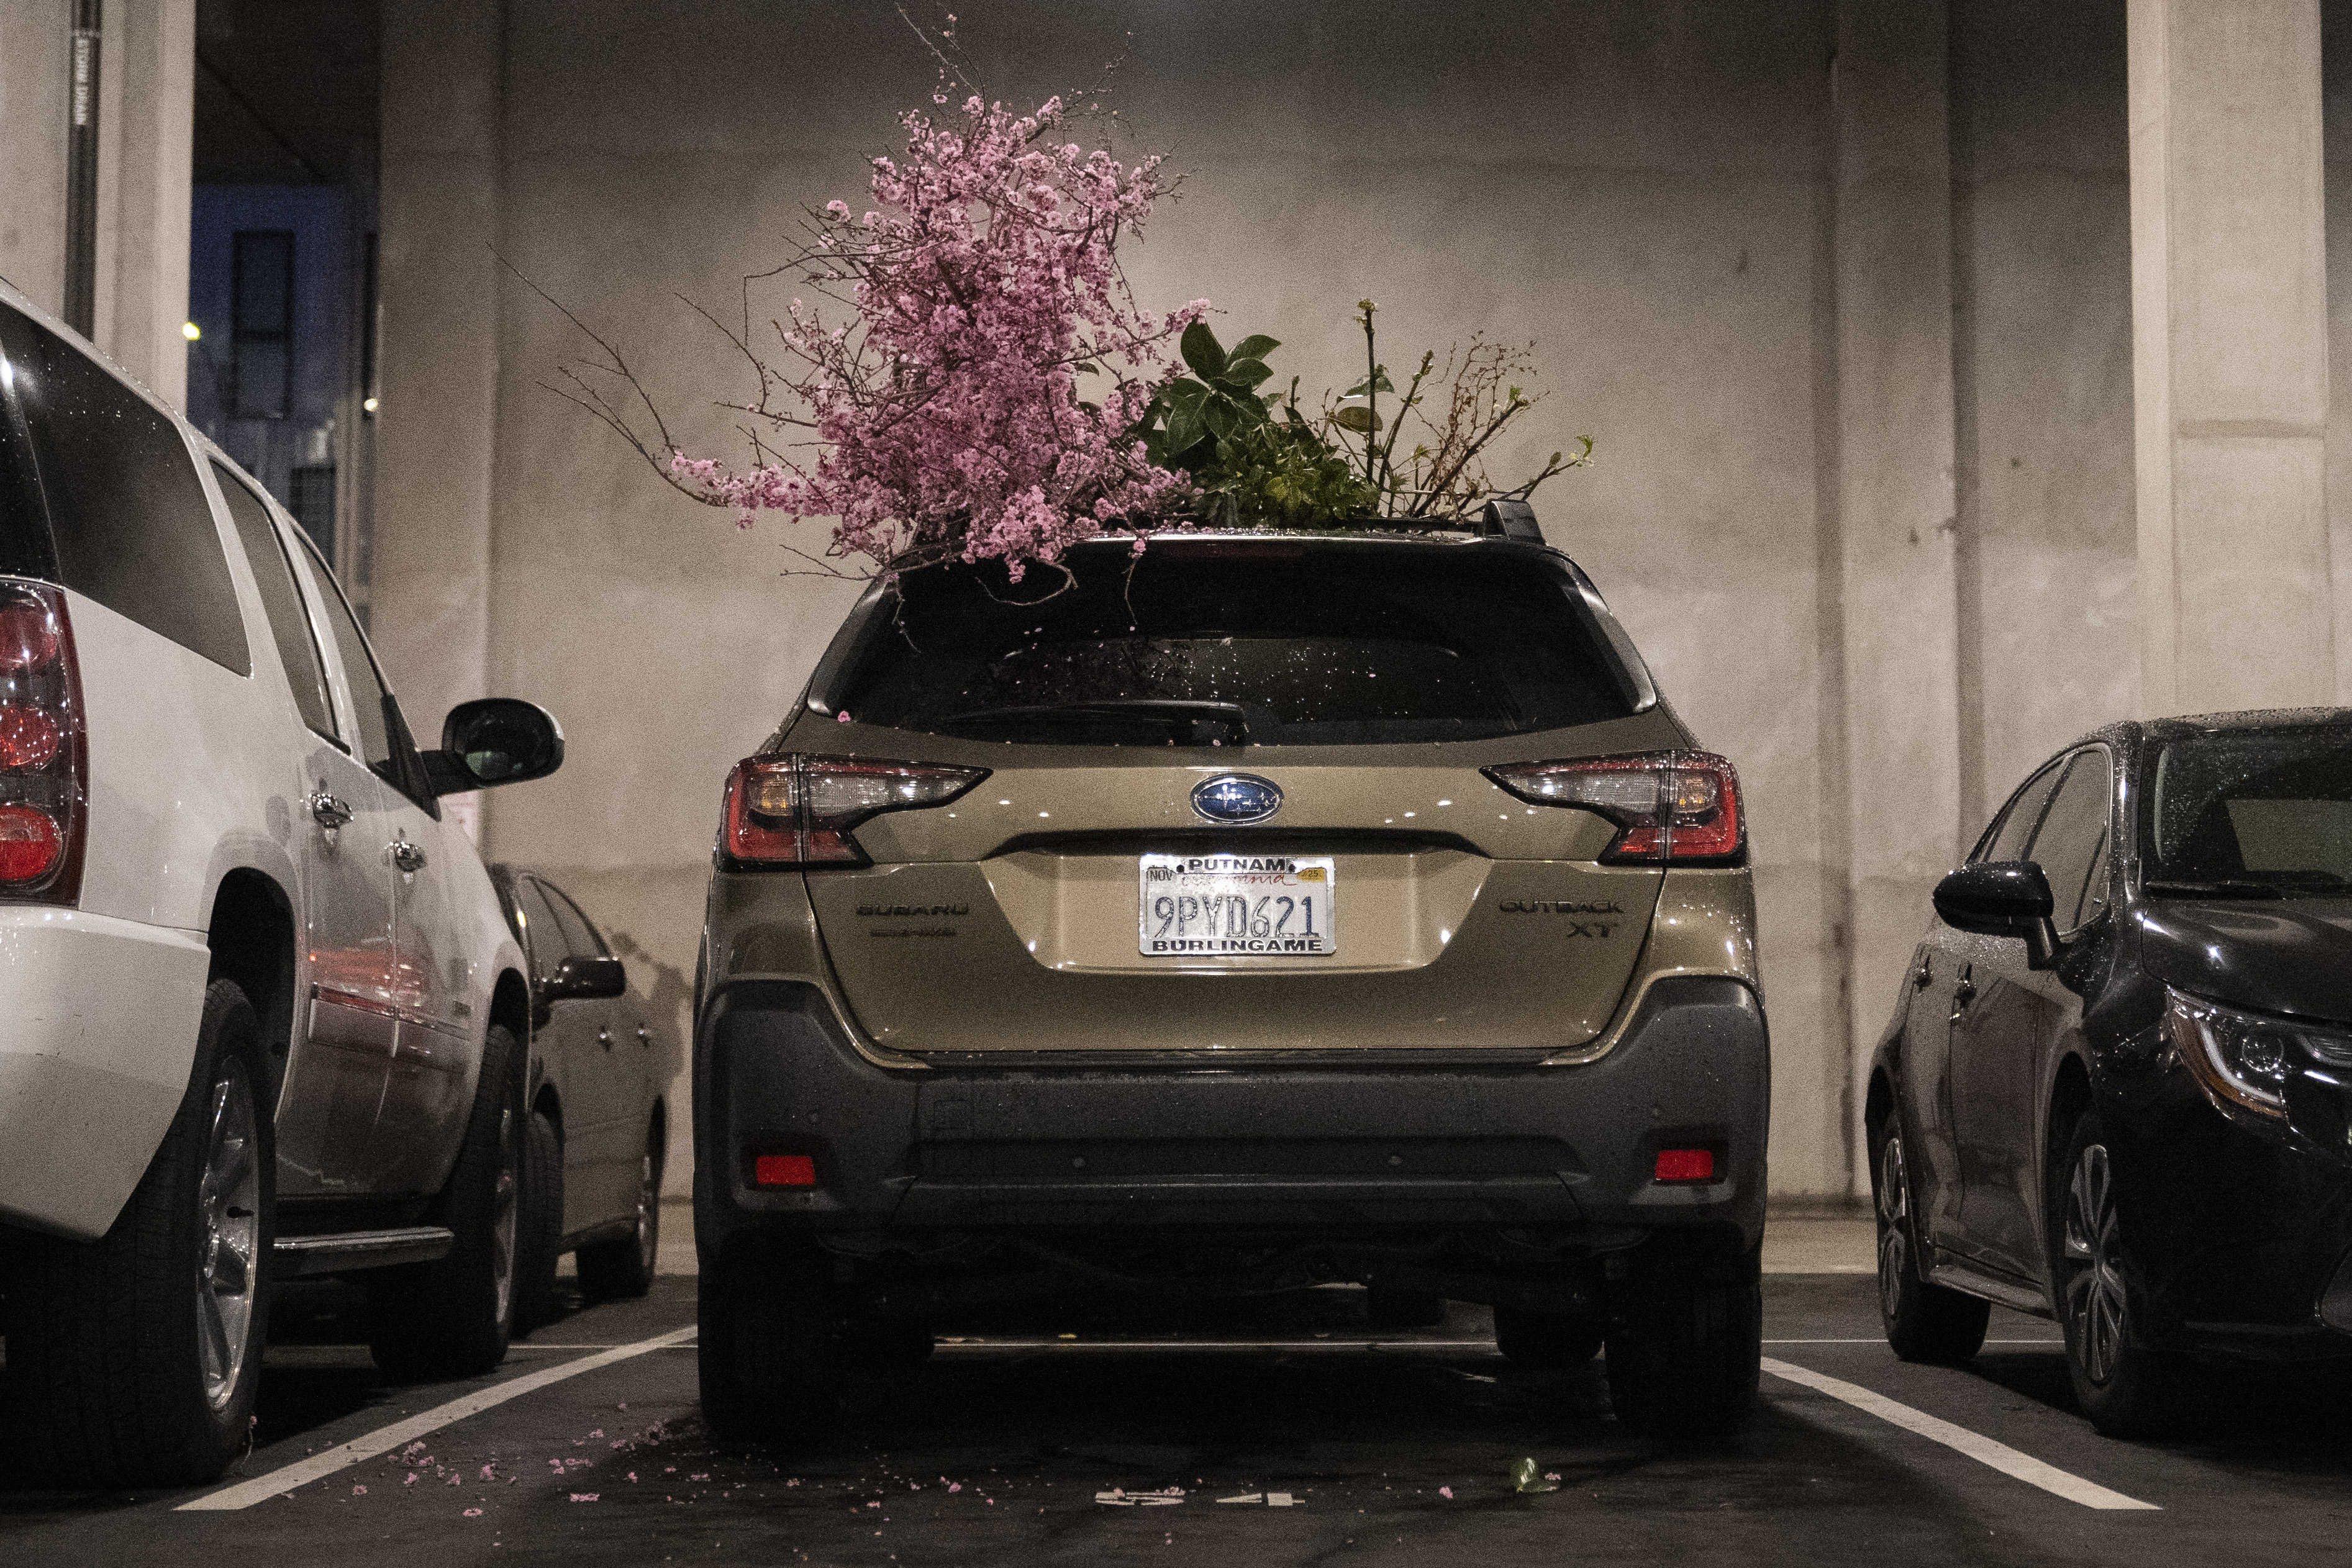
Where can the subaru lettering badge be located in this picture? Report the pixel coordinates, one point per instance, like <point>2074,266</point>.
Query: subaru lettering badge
<point>1237,798</point>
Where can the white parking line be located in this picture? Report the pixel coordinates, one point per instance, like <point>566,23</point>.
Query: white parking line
<point>384,1439</point>
<point>1983,1450</point>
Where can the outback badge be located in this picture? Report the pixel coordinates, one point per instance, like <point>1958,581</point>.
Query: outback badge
<point>1236,797</point>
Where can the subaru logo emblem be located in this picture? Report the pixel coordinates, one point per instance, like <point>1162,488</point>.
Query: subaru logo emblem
<point>1237,798</point>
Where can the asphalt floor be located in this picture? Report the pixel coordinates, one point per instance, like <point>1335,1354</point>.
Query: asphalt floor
<point>1279,1432</point>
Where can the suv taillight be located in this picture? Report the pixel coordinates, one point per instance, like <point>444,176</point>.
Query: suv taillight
<point>1677,806</point>
<point>44,758</point>
<point>798,809</point>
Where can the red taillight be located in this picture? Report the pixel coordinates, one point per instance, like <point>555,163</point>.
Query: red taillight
<point>1686,1165</point>
<point>783,1170</point>
<point>43,759</point>
<point>798,809</point>
<point>1675,806</point>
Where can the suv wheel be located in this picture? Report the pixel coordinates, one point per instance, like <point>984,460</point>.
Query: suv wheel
<point>134,1358</point>
<point>453,1318</point>
<point>2127,1390</point>
<point>1545,1341</point>
<point>1686,1351</point>
<point>766,1360</point>
<point>1922,1321</point>
<point>541,1241</point>
<point>625,1266</point>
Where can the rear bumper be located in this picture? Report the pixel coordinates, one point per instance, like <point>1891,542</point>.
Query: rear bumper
<point>1563,1155</point>
<point>98,1031</point>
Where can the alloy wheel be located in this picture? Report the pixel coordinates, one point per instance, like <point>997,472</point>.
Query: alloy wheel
<point>2097,1308</point>
<point>646,1198</point>
<point>1894,1225</point>
<point>504,1215</point>
<point>228,1269</point>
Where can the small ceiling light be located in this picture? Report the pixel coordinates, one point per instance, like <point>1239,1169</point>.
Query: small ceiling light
<point>368,406</point>
<point>191,331</point>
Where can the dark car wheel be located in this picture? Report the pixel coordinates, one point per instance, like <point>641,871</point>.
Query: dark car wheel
<point>540,1239</point>
<point>1387,1308</point>
<point>766,1360</point>
<point>1545,1340</point>
<point>134,1359</point>
<point>1922,1321</point>
<point>2126,1389</point>
<point>1686,1353</point>
<point>453,1318</point>
<point>623,1267</point>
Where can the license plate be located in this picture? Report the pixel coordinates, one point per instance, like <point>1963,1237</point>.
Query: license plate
<point>1221,905</point>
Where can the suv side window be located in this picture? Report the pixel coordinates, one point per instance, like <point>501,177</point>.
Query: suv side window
<point>384,744</point>
<point>2007,838</point>
<point>127,512</point>
<point>2072,846</point>
<point>580,937</point>
<point>281,601</point>
<point>542,931</point>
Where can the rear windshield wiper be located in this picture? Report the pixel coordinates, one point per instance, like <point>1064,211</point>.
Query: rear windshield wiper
<point>1182,720</point>
<point>2170,888</point>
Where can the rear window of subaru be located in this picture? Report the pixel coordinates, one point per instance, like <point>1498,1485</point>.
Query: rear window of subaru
<point>127,524</point>
<point>1273,642</point>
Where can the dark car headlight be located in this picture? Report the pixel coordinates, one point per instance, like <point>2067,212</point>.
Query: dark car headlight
<point>2242,1059</point>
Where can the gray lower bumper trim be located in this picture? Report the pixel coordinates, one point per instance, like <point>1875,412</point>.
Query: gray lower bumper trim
<point>295,1256</point>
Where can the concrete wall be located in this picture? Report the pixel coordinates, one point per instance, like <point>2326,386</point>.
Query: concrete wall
<point>1651,190</point>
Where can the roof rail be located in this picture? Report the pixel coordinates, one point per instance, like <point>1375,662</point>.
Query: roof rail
<point>1510,520</point>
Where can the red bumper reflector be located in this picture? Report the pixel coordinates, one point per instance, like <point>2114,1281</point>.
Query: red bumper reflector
<point>785,1170</point>
<point>1686,1165</point>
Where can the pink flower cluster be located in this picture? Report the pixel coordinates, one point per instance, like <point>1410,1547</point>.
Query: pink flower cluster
<point>951,412</point>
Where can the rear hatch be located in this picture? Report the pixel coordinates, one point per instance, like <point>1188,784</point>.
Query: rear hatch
<point>1234,804</point>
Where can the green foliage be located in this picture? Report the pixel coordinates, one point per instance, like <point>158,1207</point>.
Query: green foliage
<point>1257,459</point>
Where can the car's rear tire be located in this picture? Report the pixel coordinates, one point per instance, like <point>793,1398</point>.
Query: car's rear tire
<point>541,1243</point>
<point>1923,1323</point>
<point>766,1360</point>
<point>888,1344</point>
<point>453,1317</point>
<point>2126,1389</point>
<point>623,1267</point>
<point>1686,1348</point>
<point>134,1359</point>
<point>1545,1341</point>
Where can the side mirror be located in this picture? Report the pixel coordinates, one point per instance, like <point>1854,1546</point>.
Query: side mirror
<point>495,740</point>
<point>2003,898</point>
<point>586,979</point>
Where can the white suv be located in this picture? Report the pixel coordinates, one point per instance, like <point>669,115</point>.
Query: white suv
<point>260,1014</point>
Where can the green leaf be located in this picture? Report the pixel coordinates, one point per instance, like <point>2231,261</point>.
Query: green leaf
<point>1256,346</point>
<point>1185,430</point>
<point>1362,421</point>
<point>1185,394</point>
<point>1199,347</point>
<point>1242,374</point>
<point>1376,383</point>
<point>1221,417</point>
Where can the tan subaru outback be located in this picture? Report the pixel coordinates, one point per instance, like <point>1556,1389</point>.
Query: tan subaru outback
<point>1255,912</point>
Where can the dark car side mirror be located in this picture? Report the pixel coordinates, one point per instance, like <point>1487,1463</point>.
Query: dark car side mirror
<point>495,740</point>
<point>2003,898</point>
<point>586,979</point>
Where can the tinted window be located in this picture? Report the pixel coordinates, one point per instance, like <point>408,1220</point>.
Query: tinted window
<point>541,934</point>
<point>24,526</point>
<point>2273,809</point>
<point>580,938</point>
<point>2008,838</point>
<point>2072,844</point>
<point>368,695</point>
<point>1274,642</point>
<point>298,646</point>
<point>126,511</point>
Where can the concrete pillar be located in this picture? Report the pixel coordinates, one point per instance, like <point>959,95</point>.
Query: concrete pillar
<point>2230,354</point>
<point>147,95</point>
<point>1893,564</point>
<point>146,147</point>
<point>34,42</point>
<point>436,421</point>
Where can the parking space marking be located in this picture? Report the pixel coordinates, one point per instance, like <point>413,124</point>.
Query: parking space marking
<point>1197,1345</point>
<point>384,1439</point>
<point>1959,1440</point>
